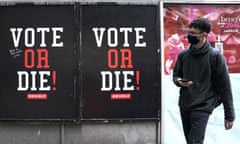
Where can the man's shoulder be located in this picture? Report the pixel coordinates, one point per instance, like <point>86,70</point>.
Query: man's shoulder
<point>184,51</point>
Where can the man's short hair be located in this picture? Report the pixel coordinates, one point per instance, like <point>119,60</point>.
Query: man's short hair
<point>202,24</point>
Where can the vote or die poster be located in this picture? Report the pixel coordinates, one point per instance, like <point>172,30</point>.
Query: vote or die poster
<point>36,59</point>
<point>224,35</point>
<point>120,62</point>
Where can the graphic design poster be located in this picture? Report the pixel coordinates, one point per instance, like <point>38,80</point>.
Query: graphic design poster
<point>225,36</point>
<point>36,59</point>
<point>120,62</point>
<point>225,33</point>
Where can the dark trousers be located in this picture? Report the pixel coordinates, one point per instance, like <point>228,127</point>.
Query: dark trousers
<point>194,125</point>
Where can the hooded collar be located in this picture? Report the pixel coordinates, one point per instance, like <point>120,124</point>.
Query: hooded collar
<point>204,49</point>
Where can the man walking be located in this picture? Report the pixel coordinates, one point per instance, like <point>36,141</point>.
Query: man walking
<point>202,83</point>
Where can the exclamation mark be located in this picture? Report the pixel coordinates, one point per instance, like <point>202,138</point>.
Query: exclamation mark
<point>137,80</point>
<point>54,80</point>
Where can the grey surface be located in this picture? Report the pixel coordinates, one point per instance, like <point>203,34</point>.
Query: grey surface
<point>90,133</point>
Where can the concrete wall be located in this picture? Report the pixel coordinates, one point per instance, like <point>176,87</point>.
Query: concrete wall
<point>91,133</point>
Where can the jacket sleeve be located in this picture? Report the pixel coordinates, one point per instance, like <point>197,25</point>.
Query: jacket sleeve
<point>177,70</point>
<point>223,86</point>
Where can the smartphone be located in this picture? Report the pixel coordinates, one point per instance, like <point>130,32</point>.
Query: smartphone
<point>184,80</point>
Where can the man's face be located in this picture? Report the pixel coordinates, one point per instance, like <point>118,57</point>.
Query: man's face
<point>195,36</point>
<point>194,32</point>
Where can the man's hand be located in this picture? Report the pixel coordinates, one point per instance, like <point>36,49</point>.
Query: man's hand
<point>185,84</point>
<point>228,124</point>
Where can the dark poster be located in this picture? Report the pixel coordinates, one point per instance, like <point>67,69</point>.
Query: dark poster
<point>120,62</point>
<point>37,60</point>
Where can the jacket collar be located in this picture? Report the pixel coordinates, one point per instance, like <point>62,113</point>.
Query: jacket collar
<point>204,49</point>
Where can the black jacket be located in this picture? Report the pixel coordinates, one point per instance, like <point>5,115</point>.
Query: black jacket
<point>194,64</point>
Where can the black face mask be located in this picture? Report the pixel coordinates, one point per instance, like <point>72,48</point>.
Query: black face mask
<point>192,39</point>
